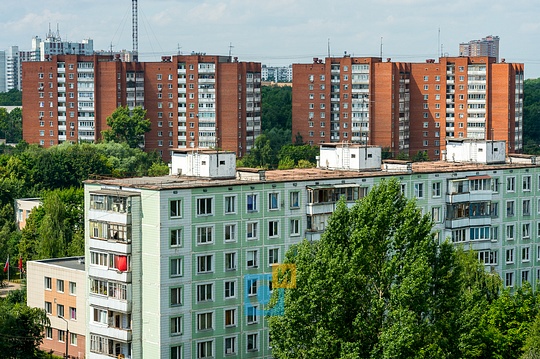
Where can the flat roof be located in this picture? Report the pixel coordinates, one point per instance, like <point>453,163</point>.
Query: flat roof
<point>65,262</point>
<point>299,175</point>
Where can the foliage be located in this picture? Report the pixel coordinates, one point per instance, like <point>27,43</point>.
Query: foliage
<point>11,125</point>
<point>21,330</point>
<point>127,126</point>
<point>276,107</point>
<point>261,154</point>
<point>56,228</point>
<point>11,98</point>
<point>531,116</point>
<point>421,156</point>
<point>378,286</point>
<point>158,169</point>
<point>531,349</point>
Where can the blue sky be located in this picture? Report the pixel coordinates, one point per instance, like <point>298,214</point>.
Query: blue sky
<point>280,32</point>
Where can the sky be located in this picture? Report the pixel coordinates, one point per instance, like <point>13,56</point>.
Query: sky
<point>281,32</point>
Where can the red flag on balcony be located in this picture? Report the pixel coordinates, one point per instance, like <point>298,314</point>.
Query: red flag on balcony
<point>121,263</point>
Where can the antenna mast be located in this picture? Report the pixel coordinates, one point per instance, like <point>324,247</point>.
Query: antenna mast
<point>135,32</point>
<point>439,42</point>
<point>381,46</point>
<point>230,49</point>
<point>328,47</point>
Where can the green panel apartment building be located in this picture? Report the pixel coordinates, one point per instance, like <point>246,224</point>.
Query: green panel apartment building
<point>178,265</point>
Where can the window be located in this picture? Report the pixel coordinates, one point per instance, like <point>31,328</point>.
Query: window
<point>295,199</point>
<point>204,206</point>
<point>48,283</point>
<point>60,310</point>
<point>205,321</point>
<point>252,258</point>
<point>230,317</point>
<point>526,183</point>
<point>72,288</point>
<point>273,228</point>
<point>204,264</point>
<point>175,208</point>
<point>509,279</point>
<point>60,285</point>
<point>524,276</point>
<point>273,256</point>
<point>510,256</point>
<point>230,261</point>
<point>176,267</point>
<point>205,349</point>
<point>252,287</point>
<point>273,201</point>
<point>230,345</point>
<point>511,184</point>
<point>509,208</point>
<point>251,312</point>
<point>230,204</point>
<point>525,254</point>
<point>48,307</point>
<point>436,189</point>
<point>252,202</point>
<point>230,287</point>
<point>295,227</point>
<point>419,190</point>
<point>436,214</point>
<point>72,313</point>
<point>176,296</point>
<point>252,342</point>
<point>204,235</point>
<point>48,332</point>
<point>176,352</point>
<point>100,316</point>
<point>526,204</point>
<point>488,257</point>
<point>176,237</point>
<point>61,336</point>
<point>230,232</point>
<point>204,292</point>
<point>510,232</point>
<point>252,230</point>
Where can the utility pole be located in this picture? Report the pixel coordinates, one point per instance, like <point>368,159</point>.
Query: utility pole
<point>66,354</point>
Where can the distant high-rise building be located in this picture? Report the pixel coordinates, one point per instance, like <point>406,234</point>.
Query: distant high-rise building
<point>488,46</point>
<point>54,45</point>
<point>276,74</point>
<point>196,100</point>
<point>408,107</point>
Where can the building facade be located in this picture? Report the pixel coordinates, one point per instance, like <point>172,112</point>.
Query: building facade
<point>487,46</point>
<point>192,100</point>
<point>408,107</point>
<point>23,208</point>
<point>58,286</point>
<point>276,74</point>
<point>182,259</point>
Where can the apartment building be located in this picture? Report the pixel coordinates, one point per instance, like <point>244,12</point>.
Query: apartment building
<point>58,286</point>
<point>192,100</point>
<point>487,46</point>
<point>23,208</point>
<point>408,107</point>
<point>182,260</point>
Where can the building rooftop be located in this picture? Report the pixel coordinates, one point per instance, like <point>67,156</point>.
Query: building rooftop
<point>245,176</point>
<point>76,263</point>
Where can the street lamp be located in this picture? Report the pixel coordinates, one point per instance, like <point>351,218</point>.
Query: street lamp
<point>67,336</point>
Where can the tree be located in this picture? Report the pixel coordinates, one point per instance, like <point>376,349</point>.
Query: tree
<point>127,126</point>
<point>531,349</point>
<point>376,285</point>
<point>21,330</point>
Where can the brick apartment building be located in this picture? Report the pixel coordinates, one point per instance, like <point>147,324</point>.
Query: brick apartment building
<point>408,107</point>
<point>193,100</point>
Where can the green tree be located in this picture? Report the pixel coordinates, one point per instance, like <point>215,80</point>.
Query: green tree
<point>276,108</point>
<point>21,330</point>
<point>11,98</point>
<point>531,349</point>
<point>376,285</point>
<point>127,126</point>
